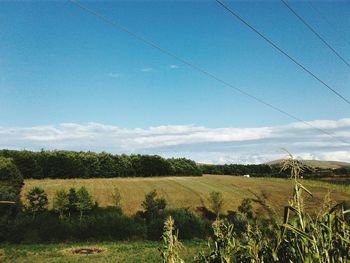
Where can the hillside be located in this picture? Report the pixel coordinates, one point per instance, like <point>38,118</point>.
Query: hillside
<point>318,164</point>
<point>193,191</point>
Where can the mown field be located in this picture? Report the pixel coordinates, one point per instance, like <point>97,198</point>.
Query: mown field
<point>128,251</point>
<point>194,191</point>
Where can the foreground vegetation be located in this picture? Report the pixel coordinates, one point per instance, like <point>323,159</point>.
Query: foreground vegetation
<point>117,251</point>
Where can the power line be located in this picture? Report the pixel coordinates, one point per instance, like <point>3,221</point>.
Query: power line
<point>230,10</point>
<point>197,68</point>
<point>314,31</point>
<point>328,22</point>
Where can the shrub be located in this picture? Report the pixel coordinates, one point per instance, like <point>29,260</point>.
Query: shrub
<point>191,225</point>
<point>101,224</point>
<point>206,213</point>
<point>217,202</point>
<point>107,223</point>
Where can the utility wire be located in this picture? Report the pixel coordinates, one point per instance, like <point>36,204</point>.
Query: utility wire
<point>328,22</point>
<point>230,10</point>
<point>316,34</point>
<point>199,69</point>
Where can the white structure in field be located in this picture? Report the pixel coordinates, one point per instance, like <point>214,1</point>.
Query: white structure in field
<point>246,175</point>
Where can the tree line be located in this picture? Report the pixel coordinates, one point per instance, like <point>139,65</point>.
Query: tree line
<point>71,164</point>
<point>275,170</point>
<point>238,169</point>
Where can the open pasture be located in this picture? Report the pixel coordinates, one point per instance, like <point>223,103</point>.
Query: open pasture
<point>194,191</point>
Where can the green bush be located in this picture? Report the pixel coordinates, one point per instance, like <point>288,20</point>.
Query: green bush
<point>191,225</point>
<point>11,182</point>
<point>101,224</point>
<point>9,174</point>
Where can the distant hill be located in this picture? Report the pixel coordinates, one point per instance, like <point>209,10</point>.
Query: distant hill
<point>316,163</point>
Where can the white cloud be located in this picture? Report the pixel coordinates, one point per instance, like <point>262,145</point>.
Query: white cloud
<point>114,75</point>
<point>173,66</point>
<point>203,144</point>
<point>147,69</point>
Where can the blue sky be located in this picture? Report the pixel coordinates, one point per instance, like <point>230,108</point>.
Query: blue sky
<point>59,64</point>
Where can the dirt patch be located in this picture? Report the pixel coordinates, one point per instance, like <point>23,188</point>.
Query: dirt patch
<point>85,250</point>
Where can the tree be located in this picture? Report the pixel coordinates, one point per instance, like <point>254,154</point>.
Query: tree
<point>61,202</point>
<point>37,201</point>
<point>11,181</point>
<point>84,202</point>
<point>152,205</point>
<point>9,174</point>
<point>72,201</point>
<point>217,202</point>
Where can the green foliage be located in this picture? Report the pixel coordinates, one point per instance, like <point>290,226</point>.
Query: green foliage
<point>217,202</point>
<point>36,201</point>
<point>61,202</point>
<point>69,164</point>
<point>84,201</point>
<point>9,174</point>
<point>170,248</point>
<point>191,225</point>
<point>322,239</point>
<point>101,224</point>
<point>152,205</point>
<point>11,182</point>
<point>72,201</point>
<point>246,207</point>
<point>239,220</point>
<point>237,169</point>
<point>222,246</point>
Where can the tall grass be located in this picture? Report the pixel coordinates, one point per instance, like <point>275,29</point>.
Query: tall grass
<point>299,238</point>
<point>325,238</point>
<point>171,244</point>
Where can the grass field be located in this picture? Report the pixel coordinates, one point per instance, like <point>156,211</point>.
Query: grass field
<point>194,191</point>
<point>128,251</point>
